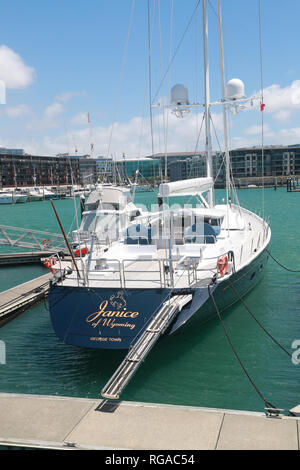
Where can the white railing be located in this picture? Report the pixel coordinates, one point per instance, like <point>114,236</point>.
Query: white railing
<point>162,272</point>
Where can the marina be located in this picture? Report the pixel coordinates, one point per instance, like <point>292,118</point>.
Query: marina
<point>160,311</point>
<point>160,377</point>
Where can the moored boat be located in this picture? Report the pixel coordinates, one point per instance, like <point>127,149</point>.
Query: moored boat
<point>6,198</point>
<point>177,265</point>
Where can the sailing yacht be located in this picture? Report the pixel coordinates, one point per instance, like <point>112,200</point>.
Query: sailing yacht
<point>170,267</point>
<point>107,212</point>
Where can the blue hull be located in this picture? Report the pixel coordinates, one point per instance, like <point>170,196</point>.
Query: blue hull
<point>114,318</point>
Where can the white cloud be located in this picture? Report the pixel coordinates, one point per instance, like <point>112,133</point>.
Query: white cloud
<point>17,111</point>
<point>278,99</point>
<point>53,110</point>
<point>13,71</point>
<point>132,137</point>
<point>48,120</point>
<point>79,119</point>
<point>283,115</point>
<point>68,95</point>
<point>256,130</point>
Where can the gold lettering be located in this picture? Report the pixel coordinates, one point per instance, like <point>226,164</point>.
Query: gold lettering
<point>107,315</point>
<point>96,315</point>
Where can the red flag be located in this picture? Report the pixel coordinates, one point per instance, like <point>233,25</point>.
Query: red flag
<point>262,106</point>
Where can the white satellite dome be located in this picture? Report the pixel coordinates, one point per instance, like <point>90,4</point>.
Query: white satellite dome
<point>235,89</point>
<point>179,95</point>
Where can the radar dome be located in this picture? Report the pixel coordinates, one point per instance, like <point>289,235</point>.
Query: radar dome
<point>179,95</point>
<point>235,89</point>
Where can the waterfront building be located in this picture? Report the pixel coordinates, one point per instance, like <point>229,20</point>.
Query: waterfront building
<point>246,163</point>
<point>280,161</point>
<point>5,151</point>
<point>18,168</point>
<point>185,165</point>
<point>126,169</point>
<point>22,170</point>
<point>104,168</point>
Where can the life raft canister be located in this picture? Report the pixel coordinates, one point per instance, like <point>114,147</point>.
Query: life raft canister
<point>83,251</point>
<point>222,265</point>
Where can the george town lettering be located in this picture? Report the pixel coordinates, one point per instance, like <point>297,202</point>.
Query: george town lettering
<point>111,318</point>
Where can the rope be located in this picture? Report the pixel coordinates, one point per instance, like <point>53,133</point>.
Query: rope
<point>254,317</point>
<point>281,265</point>
<point>267,403</point>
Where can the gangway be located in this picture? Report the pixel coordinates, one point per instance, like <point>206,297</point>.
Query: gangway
<point>31,239</point>
<point>142,347</point>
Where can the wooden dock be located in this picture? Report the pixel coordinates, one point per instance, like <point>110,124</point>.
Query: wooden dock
<point>17,299</point>
<point>37,421</point>
<point>32,257</point>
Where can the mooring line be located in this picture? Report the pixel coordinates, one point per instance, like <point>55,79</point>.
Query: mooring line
<point>256,319</point>
<point>281,265</point>
<point>266,402</point>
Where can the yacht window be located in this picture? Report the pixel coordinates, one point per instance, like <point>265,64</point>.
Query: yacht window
<point>107,222</point>
<point>111,206</point>
<point>88,222</point>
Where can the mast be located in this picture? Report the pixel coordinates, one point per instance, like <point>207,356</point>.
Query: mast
<point>208,145</point>
<point>227,158</point>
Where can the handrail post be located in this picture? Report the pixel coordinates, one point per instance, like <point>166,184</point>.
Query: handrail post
<point>122,273</point>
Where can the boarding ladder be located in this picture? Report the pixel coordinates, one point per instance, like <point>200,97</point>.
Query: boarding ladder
<point>142,347</point>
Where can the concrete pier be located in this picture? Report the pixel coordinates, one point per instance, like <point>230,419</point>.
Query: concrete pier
<point>17,299</point>
<point>75,423</point>
<point>15,259</point>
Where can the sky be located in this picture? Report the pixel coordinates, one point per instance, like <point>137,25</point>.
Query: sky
<point>64,60</point>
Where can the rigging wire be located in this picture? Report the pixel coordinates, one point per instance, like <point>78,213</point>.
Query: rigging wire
<point>232,44</point>
<point>262,105</point>
<point>197,143</point>
<point>177,49</point>
<point>167,118</point>
<point>142,118</point>
<point>149,76</point>
<point>121,76</point>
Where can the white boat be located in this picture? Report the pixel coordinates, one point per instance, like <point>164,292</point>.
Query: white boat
<point>6,198</point>
<point>78,191</point>
<point>34,195</point>
<point>20,197</point>
<point>108,210</point>
<point>47,193</point>
<point>169,268</point>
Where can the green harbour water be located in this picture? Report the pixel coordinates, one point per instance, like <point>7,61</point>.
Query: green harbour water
<point>191,367</point>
